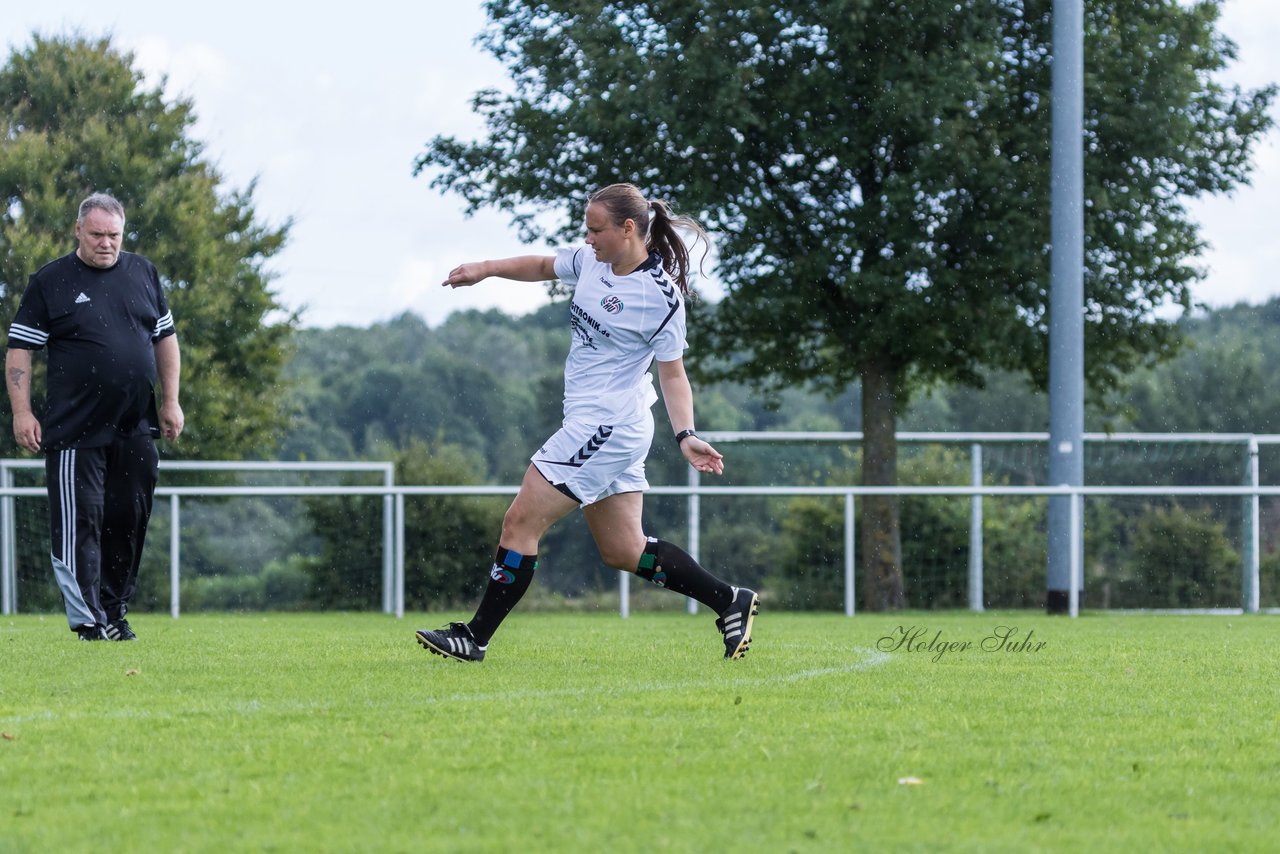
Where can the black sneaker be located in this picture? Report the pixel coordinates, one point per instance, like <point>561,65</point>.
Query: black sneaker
<point>455,642</point>
<point>118,630</point>
<point>735,622</point>
<point>91,633</point>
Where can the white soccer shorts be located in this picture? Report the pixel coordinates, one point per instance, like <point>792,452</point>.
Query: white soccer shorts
<point>595,461</point>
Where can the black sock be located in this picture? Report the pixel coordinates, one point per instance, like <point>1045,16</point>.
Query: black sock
<point>671,567</point>
<point>508,580</point>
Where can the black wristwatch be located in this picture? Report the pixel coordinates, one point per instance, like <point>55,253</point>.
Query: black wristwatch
<point>682,435</point>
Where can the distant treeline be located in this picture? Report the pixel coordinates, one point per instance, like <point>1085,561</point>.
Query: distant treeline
<point>492,383</point>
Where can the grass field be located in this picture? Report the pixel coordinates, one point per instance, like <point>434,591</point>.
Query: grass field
<point>336,732</point>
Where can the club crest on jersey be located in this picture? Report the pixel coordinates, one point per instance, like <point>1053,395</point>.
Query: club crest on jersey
<point>611,304</point>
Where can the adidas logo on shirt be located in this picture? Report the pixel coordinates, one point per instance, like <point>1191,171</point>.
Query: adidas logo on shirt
<point>81,298</point>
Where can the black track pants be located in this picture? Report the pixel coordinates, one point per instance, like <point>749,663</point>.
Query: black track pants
<point>99,506</point>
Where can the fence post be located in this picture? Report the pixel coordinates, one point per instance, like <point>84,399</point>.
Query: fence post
<point>850,564</point>
<point>624,594</point>
<point>8,547</point>
<point>975,531</point>
<point>388,541</point>
<point>175,557</point>
<point>1250,582</point>
<point>695,524</point>
<point>399,561</point>
<point>388,554</point>
<point>1075,564</point>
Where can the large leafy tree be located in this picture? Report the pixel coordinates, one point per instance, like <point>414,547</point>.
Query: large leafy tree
<point>77,117</point>
<point>877,172</point>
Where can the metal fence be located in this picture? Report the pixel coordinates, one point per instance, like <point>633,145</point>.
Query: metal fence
<point>8,534</point>
<point>1250,492</point>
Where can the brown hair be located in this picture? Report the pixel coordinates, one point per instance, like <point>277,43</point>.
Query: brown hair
<point>657,225</point>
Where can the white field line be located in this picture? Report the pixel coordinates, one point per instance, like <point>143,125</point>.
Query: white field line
<point>868,658</point>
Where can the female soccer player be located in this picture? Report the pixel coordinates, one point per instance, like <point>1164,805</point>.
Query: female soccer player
<point>629,282</point>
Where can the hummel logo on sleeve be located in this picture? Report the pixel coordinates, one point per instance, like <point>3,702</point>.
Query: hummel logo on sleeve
<point>81,298</point>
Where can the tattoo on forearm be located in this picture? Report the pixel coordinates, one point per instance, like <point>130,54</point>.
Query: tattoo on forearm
<point>15,377</point>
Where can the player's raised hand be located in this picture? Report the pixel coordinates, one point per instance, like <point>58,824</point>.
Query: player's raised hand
<point>465,274</point>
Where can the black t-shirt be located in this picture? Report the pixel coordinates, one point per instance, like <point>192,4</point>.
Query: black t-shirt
<point>100,327</point>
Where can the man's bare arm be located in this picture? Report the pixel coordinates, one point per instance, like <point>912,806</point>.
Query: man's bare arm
<point>17,379</point>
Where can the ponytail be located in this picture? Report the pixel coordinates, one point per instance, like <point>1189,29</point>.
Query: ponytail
<point>664,238</point>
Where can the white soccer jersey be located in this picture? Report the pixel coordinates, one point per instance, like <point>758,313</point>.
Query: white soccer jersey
<point>620,325</point>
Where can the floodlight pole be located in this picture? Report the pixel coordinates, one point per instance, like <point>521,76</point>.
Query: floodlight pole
<point>1066,303</point>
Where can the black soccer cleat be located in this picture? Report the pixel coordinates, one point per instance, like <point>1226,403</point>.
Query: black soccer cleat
<point>454,641</point>
<point>735,622</point>
<point>118,630</point>
<point>91,633</point>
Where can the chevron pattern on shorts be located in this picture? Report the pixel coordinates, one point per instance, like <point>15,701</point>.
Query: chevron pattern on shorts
<point>594,444</point>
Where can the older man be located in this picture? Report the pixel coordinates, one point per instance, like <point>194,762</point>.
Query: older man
<point>103,316</point>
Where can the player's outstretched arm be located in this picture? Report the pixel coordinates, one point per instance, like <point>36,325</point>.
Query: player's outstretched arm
<point>522,268</point>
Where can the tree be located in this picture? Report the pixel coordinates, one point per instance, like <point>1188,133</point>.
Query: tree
<point>1182,558</point>
<point>400,381</point>
<point>1219,383</point>
<point>77,117</point>
<point>447,539</point>
<point>877,174</point>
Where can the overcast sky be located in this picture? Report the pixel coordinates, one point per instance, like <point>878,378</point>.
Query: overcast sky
<point>327,110</point>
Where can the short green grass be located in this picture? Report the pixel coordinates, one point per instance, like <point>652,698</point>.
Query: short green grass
<point>585,732</point>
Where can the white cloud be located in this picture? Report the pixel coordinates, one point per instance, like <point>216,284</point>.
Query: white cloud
<point>416,287</point>
<point>189,68</point>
